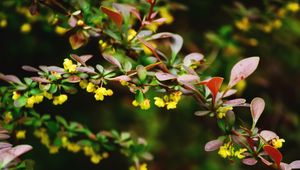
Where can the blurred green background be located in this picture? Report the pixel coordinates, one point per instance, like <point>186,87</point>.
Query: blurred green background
<point>176,138</point>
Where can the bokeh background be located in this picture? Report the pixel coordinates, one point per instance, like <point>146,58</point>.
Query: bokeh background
<point>176,138</point>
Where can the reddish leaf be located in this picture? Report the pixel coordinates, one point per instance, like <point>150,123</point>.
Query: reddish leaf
<point>77,40</point>
<point>121,78</point>
<point>115,16</point>
<point>82,59</point>
<point>213,145</point>
<point>40,80</point>
<point>90,70</point>
<point>242,70</point>
<point>274,154</point>
<point>214,85</point>
<point>112,60</point>
<point>257,107</point>
<point>10,78</point>
<point>29,68</point>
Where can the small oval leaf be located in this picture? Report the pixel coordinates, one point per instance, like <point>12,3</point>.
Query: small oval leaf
<point>213,145</point>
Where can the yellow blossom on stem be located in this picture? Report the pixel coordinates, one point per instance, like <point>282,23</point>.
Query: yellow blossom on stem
<point>105,155</point>
<point>8,117</point>
<point>30,102</point>
<point>239,154</point>
<point>69,66</point>
<point>83,84</point>
<point>88,150</point>
<point>165,13</point>
<point>135,103</point>
<point>102,44</point>
<point>21,134</point>
<point>3,23</point>
<point>58,100</point>
<point>221,111</point>
<point>159,102</point>
<point>38,98</point>
<point>293,6</point>
<point>73,147</point>
<point>131,34</point>
<point>101,92</point>
<point>243,24</point>
<point>25,28</point>
<point>64,141</point>
<point>145,105</point>
<point>53,149</point>
<point>15,95</point>
<point>277,143</point>
<point>60,30</point>
<point>90,87</point>
<point>48,95</point>
<point>96,158</point>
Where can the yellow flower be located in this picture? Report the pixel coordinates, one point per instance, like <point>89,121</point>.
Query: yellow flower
<point>225,150</point>
<point>131,34</point>
<point>171,105</point>
<point>83,84</point>
<point>48,95</point>
<point>53,149</point>
<point>147,50</point>
<point>101,92</point>
<point>102,44</point>
<point>293,7</point>
<point>159,102</point>
<point>56,75</point>
<point>73,147</point>
<point>124,83</point>
<point>277,23</point>
<point>253,42</point>
<point>3,23</point>
<point>80,22</point>
<point>277,143</point>
<point>221,111</point>
<point>8,117</point>
<point>16,95</point>
<point>64,141</point>
<point>60,30</point>
<point>38,98</point>
<point>145,105</point>
<point>153,26</point>
<point>267,28</point>
<point>58,100</point>
<point>90,87</point>
<point>165,13</point>
<point>96,158</point>
<point>105,155</point>
<point>69,66</point>
<point>243,24</point>
<point>142,167</point>
<point>25,28</point>
<point>88,150</point>
<point>239,154</point>
<point>135,103</point>
<point>21,134</point>
<point>30,102</point>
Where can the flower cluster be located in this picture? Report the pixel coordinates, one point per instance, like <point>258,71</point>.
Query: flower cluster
<point>58,100</point>
<point>36,99</point>
<point>170,102</point>
<point>221,111</point>
<point>228,151</point>
<point>144,105</point>
<point>69,66</point>
<point>100,92</point>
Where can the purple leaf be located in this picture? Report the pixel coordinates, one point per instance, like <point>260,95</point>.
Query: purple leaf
<point>72,21</point>
<point>90,70</point>
<point>235,102</point>
<point>164,76</point>
<point>40,80</point>
<point>285,166</point>
<point>188,78</point>
<point>121,78</point>
<point>177,40</point>
<point>249,161</point>
<point>111,59</point>
<point>257,107</point>
<point>29,68</point>
<point>267,135</point>
<point>193,57</point>
<point>10,78</point>
<point>55,69</point>
<point>4,136</point>
<point>242,70</point>
<point>82,59</point>
<point>295,164</point>
<point>229,93</point>
<point>213,145</point>
<point>5,145</point>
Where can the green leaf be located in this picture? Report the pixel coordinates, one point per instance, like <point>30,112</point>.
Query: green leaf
<point>53,88</point>
<point>20,102</point>
<point>142,72</point>
<point>27,80</point>
<point>62,121</point>
<point>139,96</point>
